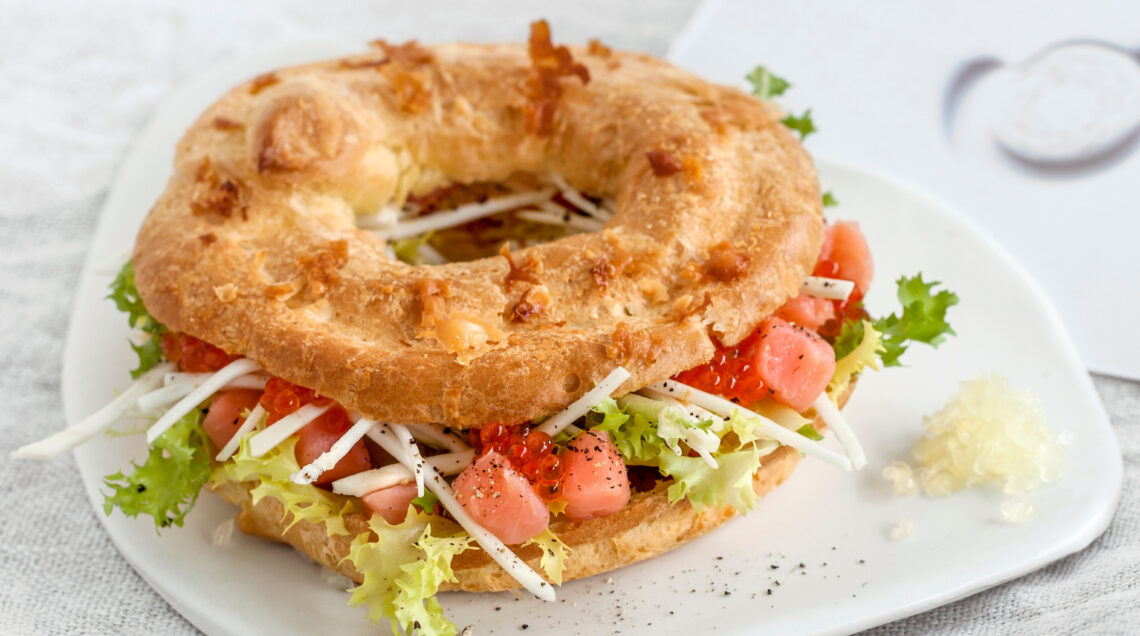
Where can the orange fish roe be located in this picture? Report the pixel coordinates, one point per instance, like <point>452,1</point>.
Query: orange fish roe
<point>532,453</point>
<point>193,355</point>
<point>282,398</point>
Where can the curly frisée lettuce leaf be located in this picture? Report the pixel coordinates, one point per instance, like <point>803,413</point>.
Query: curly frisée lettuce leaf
<point>402,569</point>
<point>803,125</point>
<point>554,553</point>
<point>766,84</point>
<point>729,484</point>
<point>127,300</point>
<point>166,485</point>
<point>274,471</point>
<point>923,318</point>
<point>634,430</point>
<point>635,435</point>
<point>858,357</point>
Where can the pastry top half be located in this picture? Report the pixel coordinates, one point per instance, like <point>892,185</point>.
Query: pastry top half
<point>254,245</point>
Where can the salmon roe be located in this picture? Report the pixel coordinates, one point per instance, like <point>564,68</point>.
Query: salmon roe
<point>532,453</point>
<point>282,398</point>
<point>193,355</point>
<point>730,372</point>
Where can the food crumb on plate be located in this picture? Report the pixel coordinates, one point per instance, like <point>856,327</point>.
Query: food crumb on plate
<point>902,530</point>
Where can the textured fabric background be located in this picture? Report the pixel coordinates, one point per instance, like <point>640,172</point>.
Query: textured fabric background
<point>78,81</point>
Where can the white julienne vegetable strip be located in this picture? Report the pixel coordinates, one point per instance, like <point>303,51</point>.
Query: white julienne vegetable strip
<point>268,439</point>
<point>412,452</point>
<point>843,432</point>
<point>462,214</point>
<point>165,396</point>
<point>489,542</point>
<point>179,385</point>
<point>725,408</point>
<point>388,216</point>
<point>233,370</point>
<point>582,203</point>
<point>582,405</point>
<point>87,428</point>
<point>248,425</point>
<point>334,454</point>
<point>251,381</point>
<point>569,219</point>
<point>699,414</point>
<point>390,475</point>
<point>435,435</point>
<point>830,288</point>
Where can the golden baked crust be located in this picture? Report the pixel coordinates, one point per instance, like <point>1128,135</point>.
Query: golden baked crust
<point>253,246</point>
<point>648,526</point>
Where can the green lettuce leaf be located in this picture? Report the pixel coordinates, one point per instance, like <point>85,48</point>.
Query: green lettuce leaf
<point>644,440</point>
<point>864,354</point>
<point>554,554</point>
<point>273,472</point>
<point>634,435</point>
<point>802,124</point>
<point>923,318</point>
<point>807,431</point>
<point>426,502</point>
<point>672,425</point>
<point>406,249</point>
<point>127,300</point>
<point>166,485</point>
<point>402,569</point>
<point>729,484</point>
<point>766,85</point>
<point>829,200</point>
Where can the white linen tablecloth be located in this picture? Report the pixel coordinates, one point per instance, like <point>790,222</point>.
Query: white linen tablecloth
<point>78,80</point>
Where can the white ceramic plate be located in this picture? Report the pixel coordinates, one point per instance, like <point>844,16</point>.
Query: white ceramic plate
<point>835,524</point>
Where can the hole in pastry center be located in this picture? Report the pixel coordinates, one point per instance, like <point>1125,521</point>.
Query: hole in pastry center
<point>465,222</point>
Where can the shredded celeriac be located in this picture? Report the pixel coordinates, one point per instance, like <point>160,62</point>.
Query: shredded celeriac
<point>268,439</point>
<point>829,288</point>
<point>438,436</point>
<point>100,420</point>
<point>554,425</point>
<point>834,419</point>
<point>412,452</point>
<point>568,219</point>
<point>328,459</point>
<point>251,421</point>
<point>462,214</point>
<point>571,194</point>
<point>374,479</point>
<point>231,371</point>
<point>763,425</point>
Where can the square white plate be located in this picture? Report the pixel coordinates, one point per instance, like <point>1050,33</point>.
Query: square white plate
<point>835,524</point>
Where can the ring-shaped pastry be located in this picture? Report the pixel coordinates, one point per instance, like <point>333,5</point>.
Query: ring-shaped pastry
<point>254,246</point>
